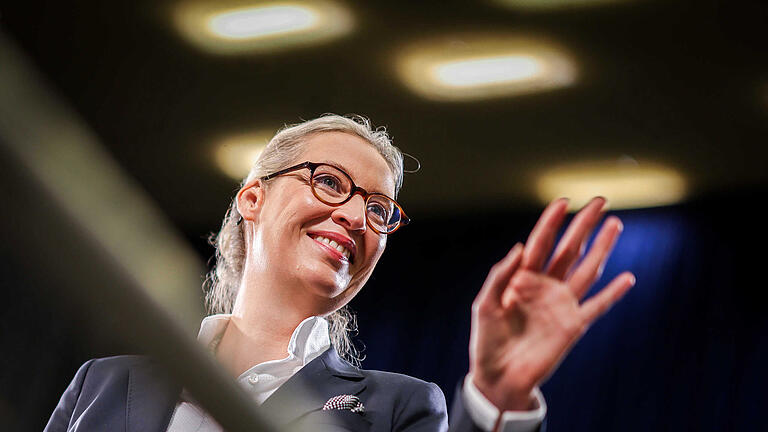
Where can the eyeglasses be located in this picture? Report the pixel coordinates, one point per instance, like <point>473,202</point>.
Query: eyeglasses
<point>335,187</point>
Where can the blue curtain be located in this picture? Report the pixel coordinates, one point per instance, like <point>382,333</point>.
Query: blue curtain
<point>684,350</point>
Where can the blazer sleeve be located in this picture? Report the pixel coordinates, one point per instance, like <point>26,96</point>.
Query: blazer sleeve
<point>62,415</point>
<point>424,411</point>
<point>460,418</point>
<point>461,421</point>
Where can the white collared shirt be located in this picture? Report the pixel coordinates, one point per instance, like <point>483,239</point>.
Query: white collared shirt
<point>308,341</point>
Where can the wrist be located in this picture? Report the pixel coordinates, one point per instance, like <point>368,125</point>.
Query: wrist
<point>487,417</point>
<point>506,397</point>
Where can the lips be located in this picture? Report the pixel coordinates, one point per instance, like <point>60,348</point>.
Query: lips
<point>341,244</point>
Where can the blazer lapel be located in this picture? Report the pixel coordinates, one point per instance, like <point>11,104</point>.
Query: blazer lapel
<point>151,399</point>
<point>309,389</point>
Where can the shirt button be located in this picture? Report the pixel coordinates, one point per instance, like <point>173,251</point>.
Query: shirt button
<point>253,379</point>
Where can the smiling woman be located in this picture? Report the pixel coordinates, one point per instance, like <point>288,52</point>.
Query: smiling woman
<point>287,147</point>
<point>283,220</point>
<point>298,242</point>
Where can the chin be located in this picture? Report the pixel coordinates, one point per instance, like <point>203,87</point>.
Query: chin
<point>332,288</point>
<point>324,283</point>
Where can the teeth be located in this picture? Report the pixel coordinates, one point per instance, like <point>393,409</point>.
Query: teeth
<point>342,250</point>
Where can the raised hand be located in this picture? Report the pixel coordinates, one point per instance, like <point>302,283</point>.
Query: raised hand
<point>527,316</point>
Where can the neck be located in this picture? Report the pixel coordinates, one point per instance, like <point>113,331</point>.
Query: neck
<point>263,321</point>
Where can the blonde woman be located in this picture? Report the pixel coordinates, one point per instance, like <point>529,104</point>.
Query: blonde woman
<point>301,238</point>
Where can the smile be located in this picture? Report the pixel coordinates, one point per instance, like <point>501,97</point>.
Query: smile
<point>332,244</point>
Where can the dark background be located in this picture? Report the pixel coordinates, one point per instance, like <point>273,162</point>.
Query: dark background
<point>681,82</point>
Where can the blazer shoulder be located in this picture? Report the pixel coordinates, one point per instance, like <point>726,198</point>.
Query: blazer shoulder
<point>398,380</point>
<point>417,405</point>
<point>95,395</point>
<point>115,364</point>
<point>121,360</point>
<point>407,388</point>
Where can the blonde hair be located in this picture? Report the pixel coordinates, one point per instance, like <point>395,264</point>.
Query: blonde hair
<point>223,281</point>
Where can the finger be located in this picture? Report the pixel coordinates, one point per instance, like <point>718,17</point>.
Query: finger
<point>602,301</point>
<point>571,245</point>
<point>525,286</point>
<point>591,267</point>
<point>499,277</point>
<point>539,243</point>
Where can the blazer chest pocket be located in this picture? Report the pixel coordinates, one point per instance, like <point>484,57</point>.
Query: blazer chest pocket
<point>333,420</point>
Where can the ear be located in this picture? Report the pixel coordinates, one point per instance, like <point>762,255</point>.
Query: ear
<point>250,199</point>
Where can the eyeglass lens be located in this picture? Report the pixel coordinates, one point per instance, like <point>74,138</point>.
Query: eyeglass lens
<point>332,186</point>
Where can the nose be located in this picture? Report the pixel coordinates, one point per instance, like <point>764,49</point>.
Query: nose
<point>351,214</point>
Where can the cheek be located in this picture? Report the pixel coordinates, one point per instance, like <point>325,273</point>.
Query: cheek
<point>298,212</point>
<point>376,248</point>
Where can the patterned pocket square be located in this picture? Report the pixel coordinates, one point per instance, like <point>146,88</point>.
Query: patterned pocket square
<point>345,402</point>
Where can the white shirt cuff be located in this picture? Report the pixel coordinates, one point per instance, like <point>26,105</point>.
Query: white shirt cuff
<point>484,413</point>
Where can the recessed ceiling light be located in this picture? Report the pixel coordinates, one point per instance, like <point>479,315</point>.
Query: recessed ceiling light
<point>233,27</point>
<point>625,185</point>
<point>488,70</point>
<point>259,22</point>
<point>480,67</point>
<point>236,155</point>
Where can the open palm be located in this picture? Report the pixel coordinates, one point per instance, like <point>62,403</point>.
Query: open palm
<point>529,313</point>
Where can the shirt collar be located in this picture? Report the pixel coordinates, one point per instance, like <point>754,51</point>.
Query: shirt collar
<point>308,341</point>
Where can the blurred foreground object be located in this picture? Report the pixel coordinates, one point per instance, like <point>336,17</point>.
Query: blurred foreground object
<point>69,162</point>
<point>58,225</point>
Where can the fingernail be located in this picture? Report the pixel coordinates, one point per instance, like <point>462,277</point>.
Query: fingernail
<point>632,279</point>
<point>606,205</point>
<point>515,249</point>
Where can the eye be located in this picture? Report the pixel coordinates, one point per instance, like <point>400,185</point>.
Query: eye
<point>377,211</point>
<point>327,181</point>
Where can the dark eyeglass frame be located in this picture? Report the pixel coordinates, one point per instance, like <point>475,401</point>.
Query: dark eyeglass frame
<point>354,190</point>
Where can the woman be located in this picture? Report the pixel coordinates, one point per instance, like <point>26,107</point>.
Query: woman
<point>300,240</point>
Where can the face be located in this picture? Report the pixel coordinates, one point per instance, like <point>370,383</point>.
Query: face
<point>293,231</point>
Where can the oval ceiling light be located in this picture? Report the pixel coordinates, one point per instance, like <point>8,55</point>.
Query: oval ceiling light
<point>625,183</point>
<point>480,67</point>
<point>233,27</point>
<point>489,70</point>
<point>259,22</point>
<point>236,155</point>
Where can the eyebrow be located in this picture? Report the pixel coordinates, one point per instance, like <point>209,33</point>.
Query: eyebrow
<point>341,167</point>
<point>336,164</point>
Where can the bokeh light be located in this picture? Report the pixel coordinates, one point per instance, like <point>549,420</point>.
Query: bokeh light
<point>481,67</point>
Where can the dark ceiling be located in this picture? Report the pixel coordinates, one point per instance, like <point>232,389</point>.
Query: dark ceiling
<point>680,82</point>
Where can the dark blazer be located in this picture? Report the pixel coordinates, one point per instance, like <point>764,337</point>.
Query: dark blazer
<point>126,393</point>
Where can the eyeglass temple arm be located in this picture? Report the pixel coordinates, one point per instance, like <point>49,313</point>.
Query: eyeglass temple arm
<point>309,165</point>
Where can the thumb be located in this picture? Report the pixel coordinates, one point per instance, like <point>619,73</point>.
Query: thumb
<point>499,276</point>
